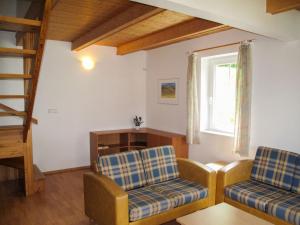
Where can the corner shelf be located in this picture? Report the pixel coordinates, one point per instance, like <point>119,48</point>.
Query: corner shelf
<point>115,141</point>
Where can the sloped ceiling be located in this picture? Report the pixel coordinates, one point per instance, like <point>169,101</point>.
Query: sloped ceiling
<point>246,15</point>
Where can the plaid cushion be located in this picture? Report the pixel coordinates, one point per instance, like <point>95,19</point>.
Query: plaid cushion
<point>253,193</point>
<point>143,202</point>
<point>126,169</point>
<point>286,208</point>
<point>180,190</point>
<point>274,166</point>
<point>296,179</point>
<point>160,164</point>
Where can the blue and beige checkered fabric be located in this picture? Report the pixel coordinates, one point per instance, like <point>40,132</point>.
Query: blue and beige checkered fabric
<point>254,194</point>
<point>143,202</point>
<point>296,180</point>
<point>126,169</point>
<point>274,166</point>
<point>286,208</point>
<point>180,190</point>
<point>160,164</point>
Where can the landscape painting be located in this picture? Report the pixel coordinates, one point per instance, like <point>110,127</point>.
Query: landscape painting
<point>168,90</point>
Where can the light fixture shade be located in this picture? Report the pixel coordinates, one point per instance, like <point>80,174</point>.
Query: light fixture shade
<point>87,63</point>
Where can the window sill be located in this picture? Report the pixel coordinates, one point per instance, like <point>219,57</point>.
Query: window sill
<point>217,133</point>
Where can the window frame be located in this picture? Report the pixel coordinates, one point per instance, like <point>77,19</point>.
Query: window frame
<point>209,78</point>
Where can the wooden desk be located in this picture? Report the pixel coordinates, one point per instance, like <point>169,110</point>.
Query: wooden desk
<point>224,214</point>
<point>114,141</point>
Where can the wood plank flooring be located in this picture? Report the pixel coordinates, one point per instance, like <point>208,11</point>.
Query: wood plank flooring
<point>60,204</point>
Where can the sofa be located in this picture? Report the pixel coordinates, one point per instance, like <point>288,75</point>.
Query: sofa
<point>149,186</point>
<point>268,186</point>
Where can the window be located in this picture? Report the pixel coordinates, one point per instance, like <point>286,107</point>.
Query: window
<point>218,91</point>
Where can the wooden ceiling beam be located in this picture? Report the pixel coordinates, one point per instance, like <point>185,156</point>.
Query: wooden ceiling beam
<point>180,32</point>
<point>132,15</point>
<point>278,6</point>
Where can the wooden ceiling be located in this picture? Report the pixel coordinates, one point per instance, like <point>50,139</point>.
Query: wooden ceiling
<point>122,24</point>
<point>72,18</point>
<point>279,6</point>
<point>157,22</point>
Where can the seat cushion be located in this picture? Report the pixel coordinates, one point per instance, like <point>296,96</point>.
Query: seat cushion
<point>144,202</point>
<point>286,208</point>
<point>254,194</point>
<point>274,166</point>
<point>126,169</point>
<point>296,178</point>
<point>160,164</point>
<point>181,191</point>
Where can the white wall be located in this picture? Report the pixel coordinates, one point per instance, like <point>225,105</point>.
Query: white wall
<point>105,98</point>
<point>276,96</point>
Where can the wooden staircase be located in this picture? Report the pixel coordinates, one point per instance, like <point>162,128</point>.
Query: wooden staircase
<point>16,141</point>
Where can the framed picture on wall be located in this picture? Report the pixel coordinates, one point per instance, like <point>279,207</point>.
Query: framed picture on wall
<point>168,91</point>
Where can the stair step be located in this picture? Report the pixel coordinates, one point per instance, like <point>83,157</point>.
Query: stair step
<point>17,52</point>
<point>11,127</point>
<point>10,132</point>
<point>9,139</point>
<point>12,151</point>
<point>13,113</point>
<point>5,133</point>
<point>12,96</point>
<point>14,76</point>
<point>9,23</point>
<point>4,145</point>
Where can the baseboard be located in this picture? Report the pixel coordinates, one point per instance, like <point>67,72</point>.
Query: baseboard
<point>67,170</point>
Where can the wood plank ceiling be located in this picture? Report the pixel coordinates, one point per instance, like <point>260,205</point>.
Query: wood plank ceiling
<point>121,23</point>
<point>279,6</point>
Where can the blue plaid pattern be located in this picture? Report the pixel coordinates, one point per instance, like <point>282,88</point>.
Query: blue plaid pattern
<point>296,180</point>
<point>286,208</point>
<point>143,202</point>
<point>160,164</point>
<point>181,191</point>
<point>274,166</point>
<point>254,194</point>
<point>126,169</point>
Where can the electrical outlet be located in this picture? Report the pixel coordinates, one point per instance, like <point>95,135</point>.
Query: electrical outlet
<point>52,111</point>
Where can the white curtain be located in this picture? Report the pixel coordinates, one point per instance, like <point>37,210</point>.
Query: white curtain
<point>193,126</point>
<point>243,101</point>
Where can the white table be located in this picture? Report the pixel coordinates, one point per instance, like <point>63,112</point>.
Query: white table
<point>224,214</point>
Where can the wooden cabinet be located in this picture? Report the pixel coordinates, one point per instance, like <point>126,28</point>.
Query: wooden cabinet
<point>114,141</point>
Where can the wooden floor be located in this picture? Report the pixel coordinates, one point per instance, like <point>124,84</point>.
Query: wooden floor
<point>60,204</point>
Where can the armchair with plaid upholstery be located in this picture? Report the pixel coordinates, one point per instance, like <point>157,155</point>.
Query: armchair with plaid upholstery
<point>146,187</point>
<point>268,186</point>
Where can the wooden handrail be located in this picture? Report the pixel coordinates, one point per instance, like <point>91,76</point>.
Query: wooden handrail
<point>37,66</point>
<point>7,108</point>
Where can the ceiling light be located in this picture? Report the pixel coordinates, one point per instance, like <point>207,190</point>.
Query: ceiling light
<point>87,63</point>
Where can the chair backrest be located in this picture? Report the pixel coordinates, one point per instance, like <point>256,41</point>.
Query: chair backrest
<point>274,166</point>
<point>160,164</point>
<point>126,169</point>
<point>296,179</point>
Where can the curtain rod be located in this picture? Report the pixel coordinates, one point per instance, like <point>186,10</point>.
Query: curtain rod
<point>220,46</point>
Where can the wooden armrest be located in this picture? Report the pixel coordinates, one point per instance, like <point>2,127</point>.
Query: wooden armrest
<point>105,201</point>
<point>199,173</point>
<point>233,173</point>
